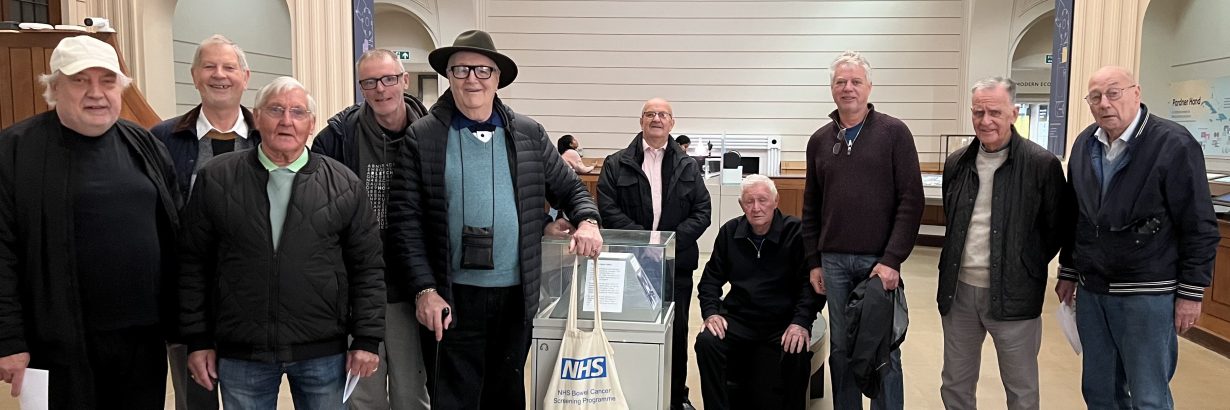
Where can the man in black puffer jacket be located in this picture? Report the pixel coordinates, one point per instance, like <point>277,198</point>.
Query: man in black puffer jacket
<point>473,168</point>
<point>280,264</point>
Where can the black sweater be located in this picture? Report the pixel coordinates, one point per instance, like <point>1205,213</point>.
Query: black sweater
<point>768,284</point>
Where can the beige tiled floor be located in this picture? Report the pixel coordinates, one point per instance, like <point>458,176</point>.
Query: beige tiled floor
<point>1198,384</point>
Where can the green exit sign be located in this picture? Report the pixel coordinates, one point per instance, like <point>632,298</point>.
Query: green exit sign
<point>1049,58</point>
<point>405,55</point>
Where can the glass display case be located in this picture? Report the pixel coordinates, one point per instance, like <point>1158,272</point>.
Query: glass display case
<point>635,282</point>
<point>636,277</point>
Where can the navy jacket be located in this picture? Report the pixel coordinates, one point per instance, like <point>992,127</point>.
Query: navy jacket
<point>179,136</point>
<point>1154,231</point>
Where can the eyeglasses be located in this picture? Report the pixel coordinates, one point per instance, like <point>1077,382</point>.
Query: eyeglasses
<point>388,81</point>
<point>278,112</point>
<point>649,115</point>
<point>461,72</point>
<point>1113,94</point>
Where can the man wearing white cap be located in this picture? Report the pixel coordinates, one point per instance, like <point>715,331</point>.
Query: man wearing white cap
<point>87,241</point>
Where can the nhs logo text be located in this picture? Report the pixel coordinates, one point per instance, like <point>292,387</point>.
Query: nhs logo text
<point>581,369</point>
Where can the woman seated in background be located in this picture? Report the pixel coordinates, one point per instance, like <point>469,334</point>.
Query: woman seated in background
<point>568,145</point>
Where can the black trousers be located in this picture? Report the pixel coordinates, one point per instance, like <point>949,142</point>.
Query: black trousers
<point>753,362</point>
<point>679,337</point>
<point>480,363</point>
<point>129,366</point>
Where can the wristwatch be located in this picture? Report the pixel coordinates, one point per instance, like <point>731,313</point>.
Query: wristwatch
<point>590,220</point>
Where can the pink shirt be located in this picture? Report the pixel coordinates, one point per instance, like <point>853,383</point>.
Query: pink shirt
<point>652,166</point>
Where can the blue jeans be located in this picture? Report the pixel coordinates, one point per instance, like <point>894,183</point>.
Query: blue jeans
<point>315,384</point>
<point>842,273</point>
<point>1130,350</point>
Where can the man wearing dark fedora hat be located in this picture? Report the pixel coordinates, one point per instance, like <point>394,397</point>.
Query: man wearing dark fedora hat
<point>476,287</point>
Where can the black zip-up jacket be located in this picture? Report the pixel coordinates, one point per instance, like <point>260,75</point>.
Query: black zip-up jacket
<point>1028,225</point>
<point>418,199</point>
<point>179,136</point>
<point>40,298</point>
<point>340,140</point>
<point>626,203</point>
<point>1154,232</point>
<point>324,282</point>
<point>768,283</point>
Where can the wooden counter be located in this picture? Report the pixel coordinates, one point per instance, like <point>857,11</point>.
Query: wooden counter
<point>1213,328</point>
<point>789,189</point>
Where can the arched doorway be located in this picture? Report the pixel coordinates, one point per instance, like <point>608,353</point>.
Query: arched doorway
<point>260,27</point>
<point>1185,71</point>
<point>400,30</point>
<point>1031,69</point>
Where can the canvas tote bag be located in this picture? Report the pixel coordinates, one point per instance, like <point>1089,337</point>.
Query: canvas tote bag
<point>585,376</point>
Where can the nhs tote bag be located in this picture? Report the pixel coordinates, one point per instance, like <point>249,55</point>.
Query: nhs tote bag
<point>585,376</point>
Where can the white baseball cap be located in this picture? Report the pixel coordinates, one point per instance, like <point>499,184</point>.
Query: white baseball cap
<point>75,54</point>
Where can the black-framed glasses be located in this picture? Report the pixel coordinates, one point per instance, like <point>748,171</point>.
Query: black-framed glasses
<point>1113,94</point>
<point>462,72</point>
<point>388,81</point>
<point>650,115</point>
<point>277,112</point>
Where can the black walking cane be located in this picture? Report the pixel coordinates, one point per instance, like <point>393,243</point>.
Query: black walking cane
<point>435,386</point>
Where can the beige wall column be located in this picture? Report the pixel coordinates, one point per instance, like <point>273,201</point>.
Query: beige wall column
<point>323,53</point>
<point>1104,32</point>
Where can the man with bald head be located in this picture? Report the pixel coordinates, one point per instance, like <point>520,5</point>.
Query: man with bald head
<point>653,185</point>
<point>1143,248</point>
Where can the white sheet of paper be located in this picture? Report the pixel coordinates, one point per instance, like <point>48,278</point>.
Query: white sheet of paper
<point>34,389</point>
<point>1067,321</point>
<point>610,284</point>
<point>352,380</point>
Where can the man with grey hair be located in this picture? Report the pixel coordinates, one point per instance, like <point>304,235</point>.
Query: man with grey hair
<point>218,125</point>
<point>284,286</point>
<point>861,211</point>
<point>75,299</point>
<point>1006,219</point>
<point>1144,244</point>
<point>366,137</point>
<point>758,334</point>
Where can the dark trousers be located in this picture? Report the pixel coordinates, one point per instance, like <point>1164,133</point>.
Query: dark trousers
<point>188,394</point>
<point>480,363</point>
<point>129,366</point>
<point>753,362</point>
<point>679,337</point>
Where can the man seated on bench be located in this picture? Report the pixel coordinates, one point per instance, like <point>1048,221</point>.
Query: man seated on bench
<point>756,338</point>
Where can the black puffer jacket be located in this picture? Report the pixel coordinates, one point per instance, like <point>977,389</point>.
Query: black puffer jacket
<point>418,200</point>
<point>623,190</point>
<point>324,282</point>
<point>1029,222</point>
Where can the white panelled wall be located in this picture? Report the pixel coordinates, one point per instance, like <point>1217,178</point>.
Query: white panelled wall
<point>737,67</point>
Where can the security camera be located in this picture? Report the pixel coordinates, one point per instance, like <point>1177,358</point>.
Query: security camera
<point>103,25</point>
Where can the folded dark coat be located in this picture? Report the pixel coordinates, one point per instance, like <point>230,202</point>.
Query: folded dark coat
<point>876,322</point>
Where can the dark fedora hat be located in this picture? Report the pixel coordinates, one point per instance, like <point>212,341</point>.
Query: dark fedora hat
<point>477,41</point>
